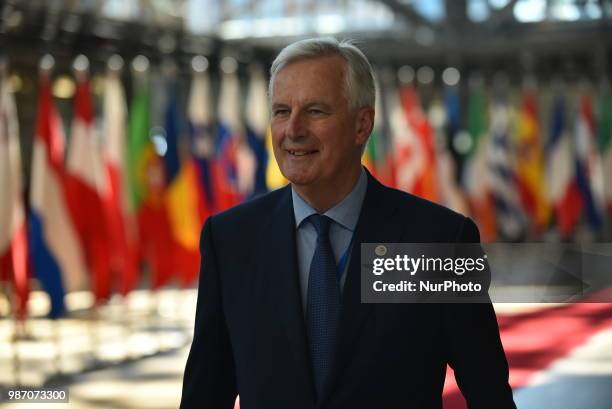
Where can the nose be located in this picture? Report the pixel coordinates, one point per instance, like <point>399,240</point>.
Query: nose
<point>296,128</point>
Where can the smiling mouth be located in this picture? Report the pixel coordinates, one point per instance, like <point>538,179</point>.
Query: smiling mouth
<point>299,153</point>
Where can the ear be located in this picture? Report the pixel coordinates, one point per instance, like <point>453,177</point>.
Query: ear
<point>364,124</point>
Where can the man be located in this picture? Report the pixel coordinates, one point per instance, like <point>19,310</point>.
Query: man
<point>279,319</point>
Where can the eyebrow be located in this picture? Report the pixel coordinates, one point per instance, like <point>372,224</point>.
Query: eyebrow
<point>318,104</point>
<point>277,105</point>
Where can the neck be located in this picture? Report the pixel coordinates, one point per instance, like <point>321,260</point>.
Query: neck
<point>325,196</point>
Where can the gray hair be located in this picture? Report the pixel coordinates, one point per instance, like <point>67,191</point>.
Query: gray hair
<point>359,88</point>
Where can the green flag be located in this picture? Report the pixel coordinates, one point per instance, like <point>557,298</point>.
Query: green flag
<point>604,130</point>
<point>139,145</point>
<point>476,119</point>
<point>604,142</point>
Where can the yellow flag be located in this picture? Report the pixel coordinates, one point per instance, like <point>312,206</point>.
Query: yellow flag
<point>274,177</point>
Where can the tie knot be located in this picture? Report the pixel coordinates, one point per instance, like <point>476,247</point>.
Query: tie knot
<point>321,224</point>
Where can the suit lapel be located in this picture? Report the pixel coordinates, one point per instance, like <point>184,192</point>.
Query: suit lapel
<point>279,263</point>
<point>375,225</point>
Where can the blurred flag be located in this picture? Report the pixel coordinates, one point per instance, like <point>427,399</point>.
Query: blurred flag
<point>274,178</point>
<point>425,183</point>
<point>452,101</point>
<point>530,165</point>
<point>563,189</point>
<point>376,158</point>
<point>122,227</point>
<point>181,195</point>
<point>139,146</point>
<point>147,178</point>
<point>408,158</point>
<point>57,255</point>
<point>604,139</point>
<point>202,144</point>
<point>86,185</point>
<point>588,166</point>
<point>13,229</point>
<point>450,193</point>
<point>236,176</point>
<point>371,158</point>
<point>257,121</point>
<point>510,220</point>
<point>414,156</point>
<point>475,176</point>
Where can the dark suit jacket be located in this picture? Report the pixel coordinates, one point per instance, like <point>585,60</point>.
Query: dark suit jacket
<point>250,334</point>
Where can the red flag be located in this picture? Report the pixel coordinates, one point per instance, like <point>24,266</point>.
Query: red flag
<point>426,183</point>
<point>563,188</point>
<point>234,167</point>
<point>199,114</point>
<point>415,158</point>
<point>181,197</point>
<point>13,236</point>
<point>122,224</point>
<point>154,227</point>
<point>86,185</point>
<point>530,165</point>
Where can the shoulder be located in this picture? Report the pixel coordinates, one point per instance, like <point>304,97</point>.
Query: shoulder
<point>248,215</point>
<point>442,223</point>
<point>409,203</point>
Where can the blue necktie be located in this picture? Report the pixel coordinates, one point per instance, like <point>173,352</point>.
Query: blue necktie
<point>323,304</point>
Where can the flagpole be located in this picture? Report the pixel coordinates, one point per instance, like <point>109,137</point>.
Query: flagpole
<point>114,67</point>
<point>176,304</point>
<point>16,272</point>
<point>139,139</point>
<point>185,323</point>
<point>128,328</point>
<point>93,332</point>
<point>18,329</point>
<point>157,319</point>
<point>56,333</point>
<point>47,63</point>
<point>179,307</point>
<point>80,67</point>
<point>17,333</point>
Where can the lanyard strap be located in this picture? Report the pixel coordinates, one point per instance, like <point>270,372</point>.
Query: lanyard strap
<point>344,259</point>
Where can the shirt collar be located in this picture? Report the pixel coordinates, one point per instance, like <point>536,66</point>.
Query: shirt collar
<point>345,213</point>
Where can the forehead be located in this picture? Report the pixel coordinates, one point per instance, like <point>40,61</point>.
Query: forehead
<point>320,77</point>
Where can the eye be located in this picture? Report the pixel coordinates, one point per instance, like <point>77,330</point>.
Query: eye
<point>315,111</point>
<point>280,112</point>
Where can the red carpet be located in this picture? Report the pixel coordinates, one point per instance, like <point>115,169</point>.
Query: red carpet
<point>534,340</point>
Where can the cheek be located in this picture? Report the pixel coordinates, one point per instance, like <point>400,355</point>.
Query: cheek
<point>276,150</point>
<point>338,141</point>
<point>277,135</point>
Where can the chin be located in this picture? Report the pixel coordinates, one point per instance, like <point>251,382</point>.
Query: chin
<point>298,177</point>
<point>300,180</point>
